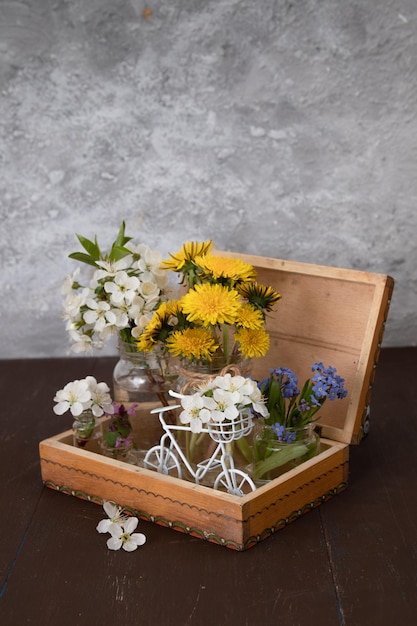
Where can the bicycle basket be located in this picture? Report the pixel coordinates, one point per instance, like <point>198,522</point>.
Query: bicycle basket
<point>231,430</point>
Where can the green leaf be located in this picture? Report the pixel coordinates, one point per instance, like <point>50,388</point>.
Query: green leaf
<point>245,449</point>
<point>118,252</point>
<point>306,390</point>
<point>120,235</point>
<point>91,247</point>
<point>84,258</point>
<point>121,238</point>
<point>280,457</point>
<point>274,392</point>
<point>111,437</point>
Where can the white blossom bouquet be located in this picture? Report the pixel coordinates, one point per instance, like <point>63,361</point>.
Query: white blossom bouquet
<point>84,395</point>
<point>220,399</point>
<point>119,295</point>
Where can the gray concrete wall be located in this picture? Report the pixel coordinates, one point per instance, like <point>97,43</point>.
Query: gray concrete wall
<point>280,128</point>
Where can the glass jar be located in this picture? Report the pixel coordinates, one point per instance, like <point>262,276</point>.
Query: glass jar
<point>119,452</point>
<point>87,431</point>
<point>198,447</point>
<point>273,457</point>
<point>193,373</point>
<point>143,376</point>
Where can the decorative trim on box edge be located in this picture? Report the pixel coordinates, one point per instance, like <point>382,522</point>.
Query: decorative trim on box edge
<point>186,504</point>
<point>202,534</point>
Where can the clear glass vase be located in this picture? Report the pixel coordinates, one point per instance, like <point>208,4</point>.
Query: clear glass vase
<point>272,457</point>
<point>118,452</point>
<point>143,376</point>
<point>118,438</point>
<point>87,431</point>
<point>198,447</point>
<point>193,373</point>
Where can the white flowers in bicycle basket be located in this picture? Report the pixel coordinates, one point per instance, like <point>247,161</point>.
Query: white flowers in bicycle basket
<point>220,400</point>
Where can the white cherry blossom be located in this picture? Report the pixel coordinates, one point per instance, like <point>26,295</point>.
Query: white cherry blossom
<point>73,303</point>
<point>75,396</point>
<point>110,269</point>
<point>123,288</point>
<point>82,343</point>
<point>148,289</point>
<point>197,411</point>
<point>226,408</point>
<point>258,402</point>
<point>140,322</point>
<point>114,516</point>
<point>124,537</point>
<point>101,401</point>
<point>69,281</point>
<point>82,395</point>
<point>99,315</point>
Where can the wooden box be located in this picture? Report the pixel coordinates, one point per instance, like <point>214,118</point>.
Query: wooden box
<point>327,314</point>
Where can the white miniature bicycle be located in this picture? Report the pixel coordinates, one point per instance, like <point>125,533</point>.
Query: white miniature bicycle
<point>165,458</point>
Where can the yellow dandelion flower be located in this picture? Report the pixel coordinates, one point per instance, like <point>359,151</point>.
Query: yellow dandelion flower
<point>192,343</point>
<point>145,343</point>
<point>249,317</point>
<point>253,343</point>
<point>162,323</point>
<point>219,268</point>
<point>169,309</point>
<point>260,296</point>
<point>211,304</point>
<point>181,260</point>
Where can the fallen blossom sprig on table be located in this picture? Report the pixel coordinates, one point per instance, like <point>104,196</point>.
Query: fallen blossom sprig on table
<point>120,527</point>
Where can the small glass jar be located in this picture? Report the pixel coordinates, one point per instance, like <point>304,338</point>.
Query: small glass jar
<point>87,430</point>
<point>273,457</point>
<point>120,453</point>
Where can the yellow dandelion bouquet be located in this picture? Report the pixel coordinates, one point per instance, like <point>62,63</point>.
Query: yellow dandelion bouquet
<point>221,316</point>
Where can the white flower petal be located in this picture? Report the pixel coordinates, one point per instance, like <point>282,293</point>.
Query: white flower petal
<point>103,526</point>
<point>195,425</point>
<point>204,416</point>
<point>61,407</point>
<point>131,524</point>
<point>116,530</point>
<point>139,538</point>
<point>77,408</point>
<point>114,543</point>
<point>110,509</point>
<point>135,540</point>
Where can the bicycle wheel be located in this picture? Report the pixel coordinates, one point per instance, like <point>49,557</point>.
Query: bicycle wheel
<point>235,482</point>
<point>163,460</point>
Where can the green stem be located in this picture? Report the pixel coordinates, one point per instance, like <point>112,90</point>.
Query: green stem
<point>245,449</point>
<point>187,444</point>
<point>279,458</point>
<point>225,333</point>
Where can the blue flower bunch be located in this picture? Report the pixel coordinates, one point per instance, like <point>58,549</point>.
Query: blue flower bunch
<point>289,407</point>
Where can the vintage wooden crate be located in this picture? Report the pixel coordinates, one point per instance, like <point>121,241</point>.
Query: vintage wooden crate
<point>327,314</point>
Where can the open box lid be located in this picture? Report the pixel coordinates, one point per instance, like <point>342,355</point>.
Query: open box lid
<point>328,314</point>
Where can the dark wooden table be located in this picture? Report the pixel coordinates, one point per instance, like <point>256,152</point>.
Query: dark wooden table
<point>352,561</point>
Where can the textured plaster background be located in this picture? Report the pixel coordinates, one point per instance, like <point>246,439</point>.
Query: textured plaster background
<point>280,128</point>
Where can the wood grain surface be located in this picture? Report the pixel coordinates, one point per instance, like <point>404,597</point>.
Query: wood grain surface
<point>350,562</point>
